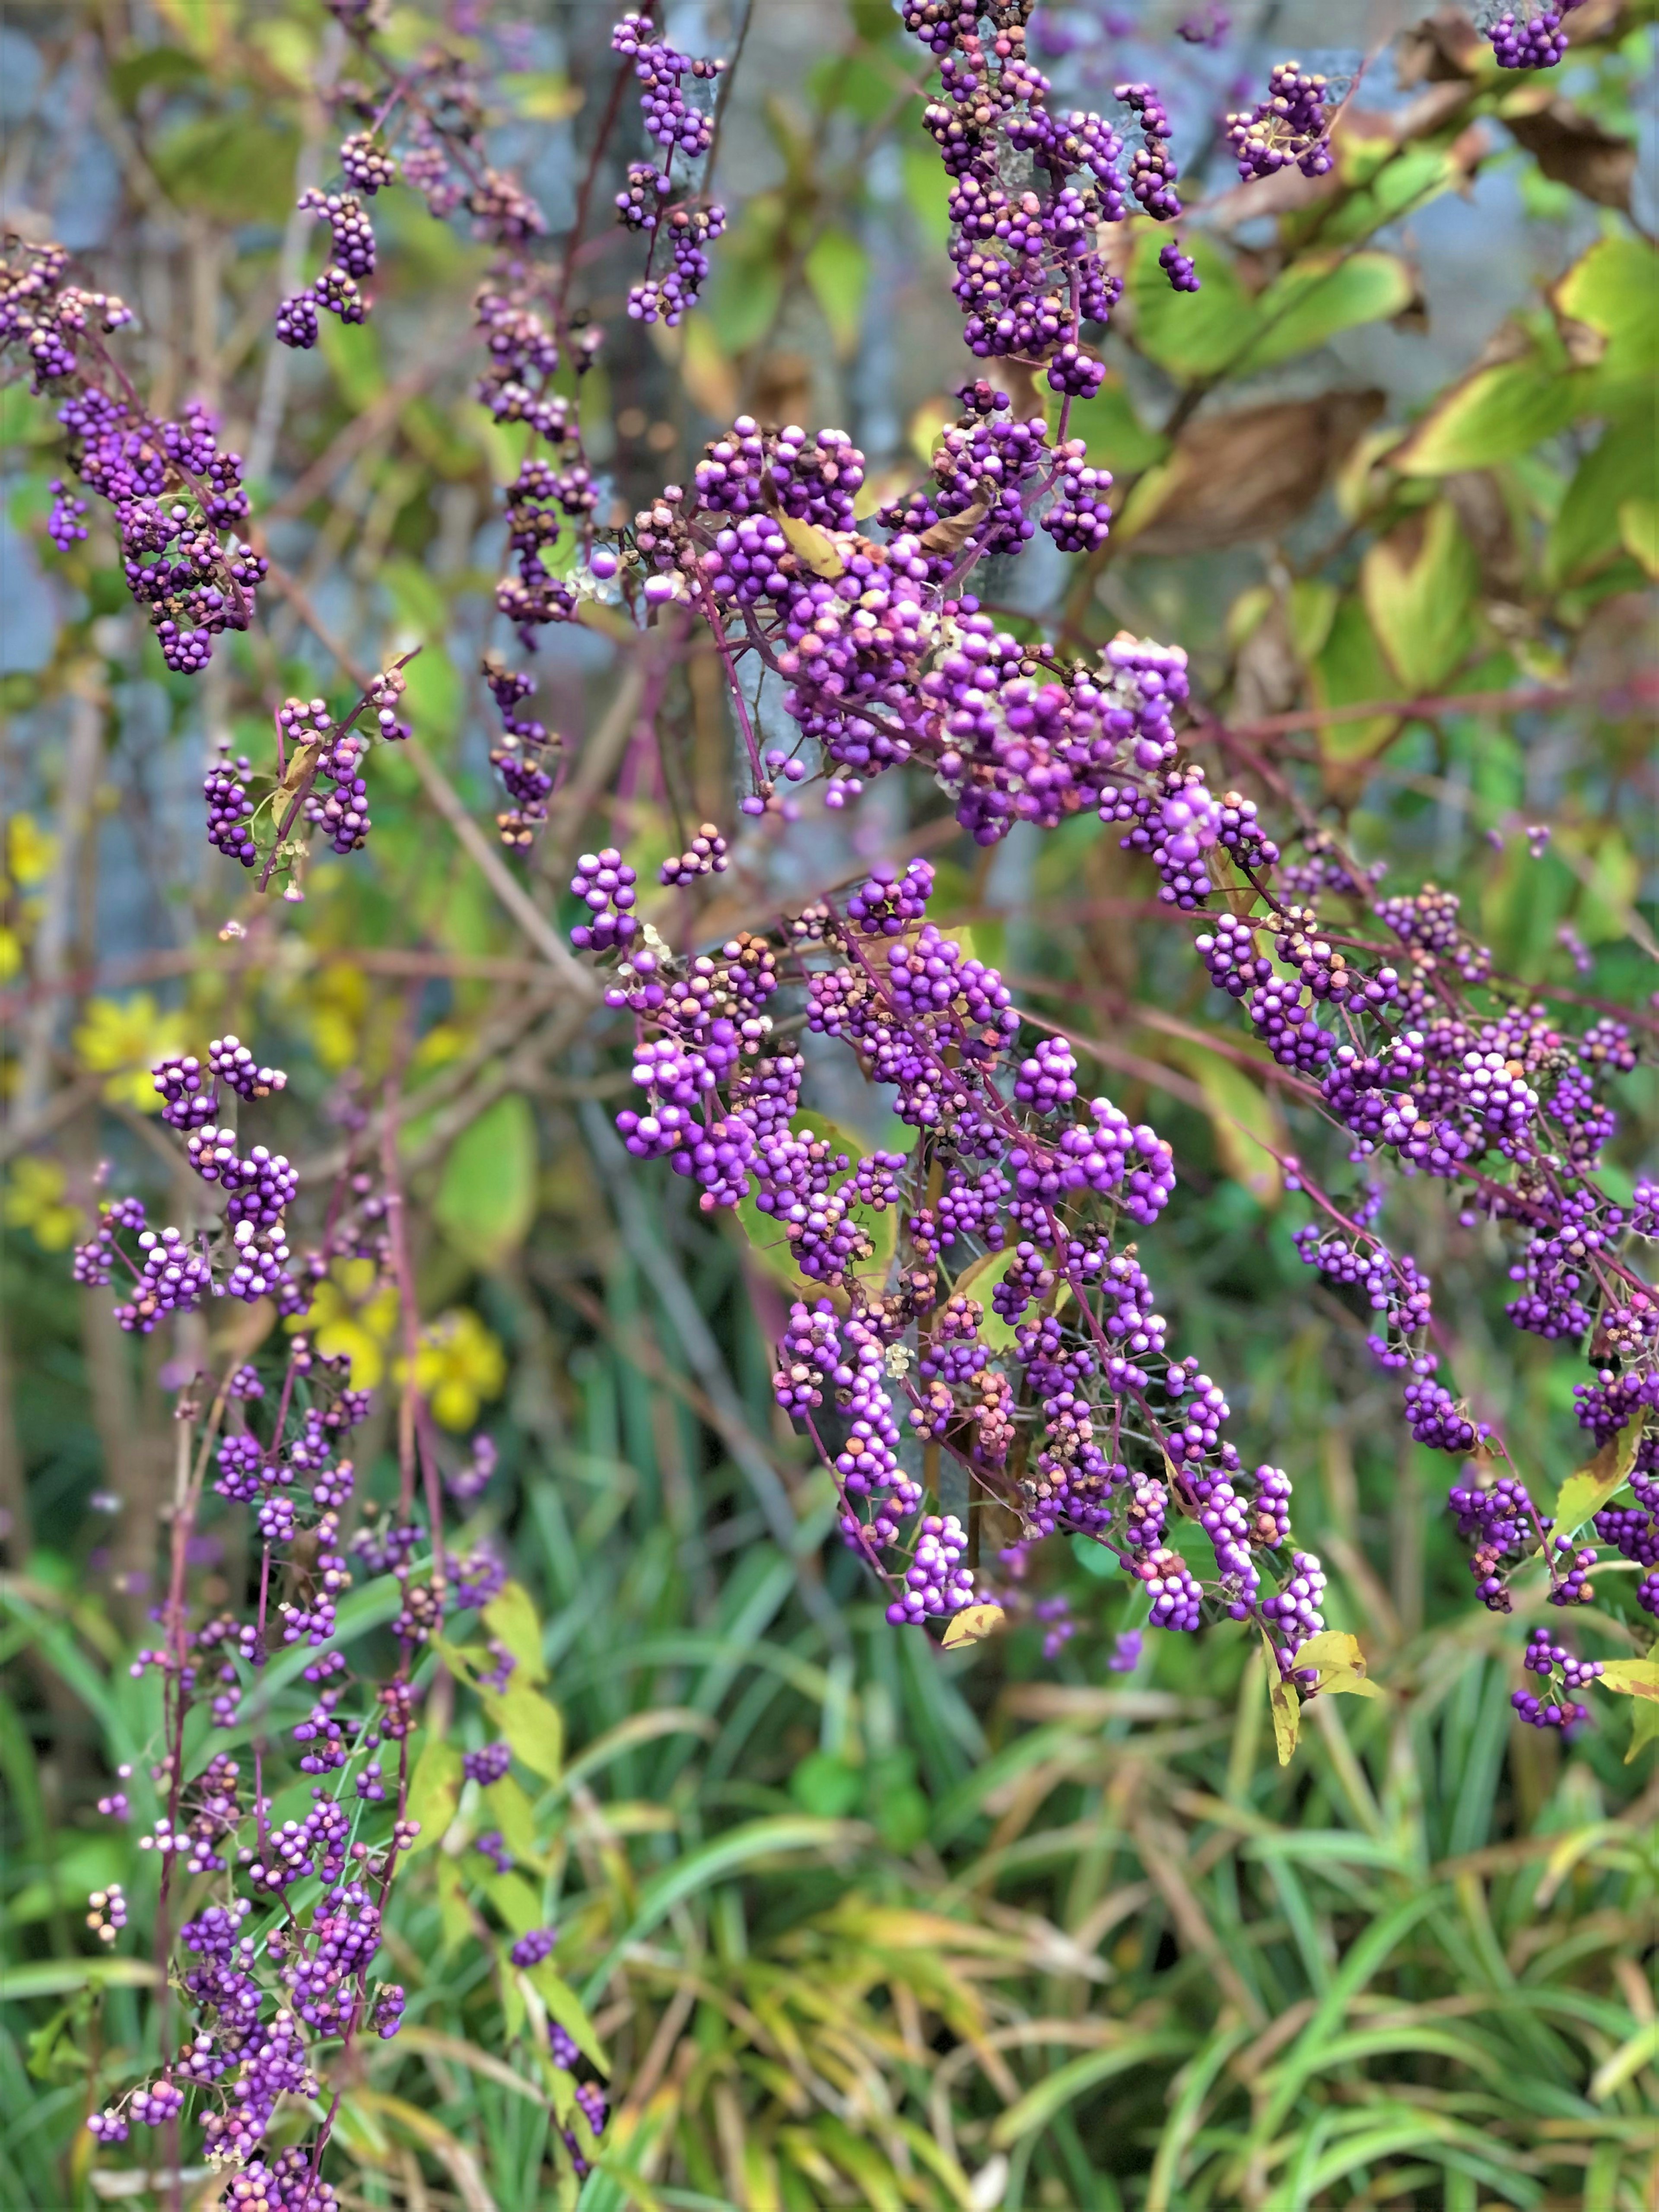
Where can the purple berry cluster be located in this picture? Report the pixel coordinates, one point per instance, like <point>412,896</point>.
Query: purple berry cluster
<point>1529,41</point>
<point>1291,126</point>
<point>173,493</point>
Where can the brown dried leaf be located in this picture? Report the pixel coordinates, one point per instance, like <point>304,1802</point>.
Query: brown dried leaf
<point>1572,149</point>
<point>1443,48</point>
<point>1248,473</point>
<point>953,532</point>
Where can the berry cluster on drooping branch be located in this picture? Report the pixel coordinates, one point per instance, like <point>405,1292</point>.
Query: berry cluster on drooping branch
<point>173,494</point>
<point>1383,1016</point>
<point>425,122</point>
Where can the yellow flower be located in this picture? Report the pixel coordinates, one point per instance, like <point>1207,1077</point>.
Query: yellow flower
<point>353,1316</point>
<point>31,851</point>
<point>458,1363</point>
<point>34,1201</point>
<point>123,1039</point>
<point>338,1004</point>
<point>11,955</point>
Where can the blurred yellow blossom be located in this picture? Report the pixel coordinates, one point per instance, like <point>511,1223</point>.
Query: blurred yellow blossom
<point>11,955</point>
<point>31,851</point>
<point>459,1365</point>
<point>34,1201</point>
<point>354,1315</point>
<point>338,1001</point>
<point>123,1039</point>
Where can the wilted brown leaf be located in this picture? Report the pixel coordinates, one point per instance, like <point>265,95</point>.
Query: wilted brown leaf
<point>953,532</point>
<point>1248,473</point>
<point>1443,48</point>
<point>1572,148</point>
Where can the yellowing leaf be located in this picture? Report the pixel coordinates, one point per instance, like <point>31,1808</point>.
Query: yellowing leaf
<point>1419,585</point>
<point>1644,1726</point>
<point>1493,415</point>
<point>1588,1491</point>
<point>533,1727</point>
<point>122,1040</point>
<point>1284,1705</point>
<point>1339,1664</point>
<point>973,1624</point>
<point>433,1789</point>
<point>1632,1677</point>
<point>816,547</point>
<point>977,1280</point>
<point>1320,295</point>
<point>510,1616</point>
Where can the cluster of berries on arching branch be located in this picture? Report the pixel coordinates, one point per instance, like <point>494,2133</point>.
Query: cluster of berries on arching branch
<point>173,495</point>
<point>1382,1016</point>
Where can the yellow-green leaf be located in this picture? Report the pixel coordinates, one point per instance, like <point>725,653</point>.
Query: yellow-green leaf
<point>1493,415</point>
<point>1588,1491</point>
<point>433,1788</point>
<point>518,1904</point>
<point>532,1726</point>
<point>838,271</point>
<point>977,1280</point>
<point>454,1913</point>
<point>1190,333</point>
<point>1283,1703</point>
<point>1246,1124</point>
<point>1349,671</point>
<point>511,1811</point>
<point>568,2008</point>
<point>486,1198</point>
<point>973,1624</point>
<point>1632,1677</point>
<point>1320,295</point>
<point>1419,585</point>
<point>1639,531</point>
<point>1338,1662</point>
<point>1588,524</point>
<point>1614,289</point>
<point>816,547</point>
<point>510,1618</point>
<point>1644,1726</point>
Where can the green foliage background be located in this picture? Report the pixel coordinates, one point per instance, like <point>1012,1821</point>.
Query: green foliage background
<point>850,1921</point>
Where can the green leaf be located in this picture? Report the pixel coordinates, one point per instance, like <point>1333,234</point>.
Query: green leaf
<point>1586,1492</point>
<point>699,1870</point>
<point>1644,1726</point>
<point>229,167</point>
<point>568,2008</point>
<point>1246,1124</point>
<point>1613,291</point>
<point>1034,2110</point>
<point>533,1727</point>
<point>1349,670</point>
<point>1419,585</point>
<point>1190,333</point>
<point>1113,434</point>
<point>1639,531</point>
<point>57,1978</point>
<point>486,1198</point>
<point>165,65</point>
<point>511,1812</point>
<point>1318,297</point>
<point>434,1787</point>
<point>454,1913</point>
<point>1632,1677</point>
<point>1588,524</point>
<point>927,189</point>
<point>435,698</point>
<point>838,271</point>
<point>977,1280</point>
<point>1492,416</point>
<point>826,1785</point>
<point>510,1616</point>
<point>518,1904</point>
